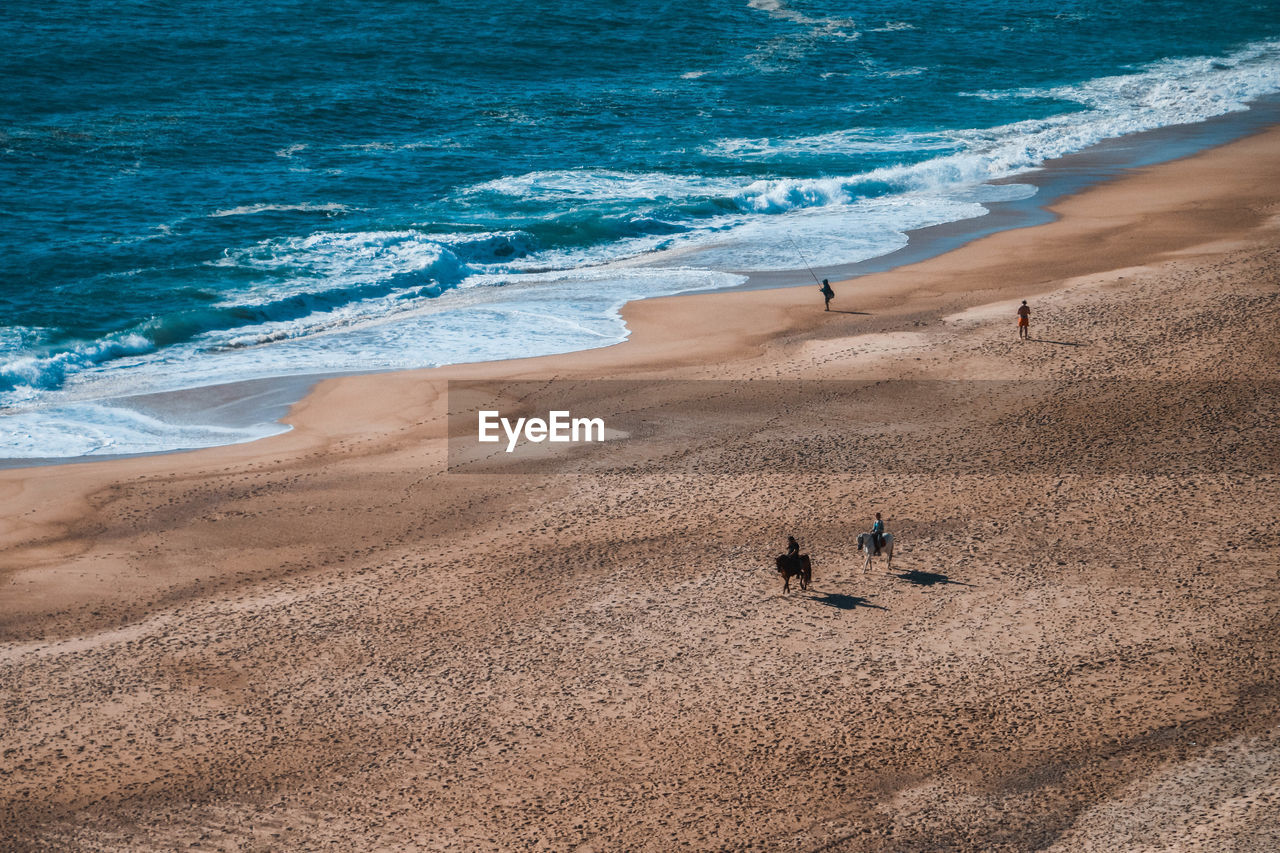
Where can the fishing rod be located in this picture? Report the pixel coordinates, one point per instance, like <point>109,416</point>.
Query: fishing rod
<point>803,260</point>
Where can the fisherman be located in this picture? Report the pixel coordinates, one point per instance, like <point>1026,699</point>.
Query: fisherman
<point>1024,322</point>
<point>827,293</point>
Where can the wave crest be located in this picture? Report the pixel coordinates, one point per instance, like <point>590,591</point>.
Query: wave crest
<point>23,377</point>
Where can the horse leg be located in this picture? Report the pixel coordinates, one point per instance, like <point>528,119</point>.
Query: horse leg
<point>786,582</point>
<point>889,553</point>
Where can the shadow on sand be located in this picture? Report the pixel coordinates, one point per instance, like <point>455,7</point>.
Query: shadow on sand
<point>928,578</point>
<point>1058,343</point>
<point>859,313</point>
<point>845,602</point>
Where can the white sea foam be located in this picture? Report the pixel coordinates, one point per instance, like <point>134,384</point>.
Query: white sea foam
<point>842,142</point>
<point>845,28</point>
<point>25,376</point>
<point>495,317</point>
<point>832,235</point>
<point>15,339</point>
<point>97,429</point>
<point>1170,92</point>
<point>600,185</point>
<point>157,232</point>
<point>251,209</point>
<point>357,256</point>
<point>906,71</point>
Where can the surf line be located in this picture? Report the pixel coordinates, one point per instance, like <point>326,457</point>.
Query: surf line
<point>559,427</point>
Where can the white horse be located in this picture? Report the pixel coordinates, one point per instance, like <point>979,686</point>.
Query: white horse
<point>868,547</point>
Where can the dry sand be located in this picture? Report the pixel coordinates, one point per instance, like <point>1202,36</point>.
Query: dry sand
<point>327,640</point>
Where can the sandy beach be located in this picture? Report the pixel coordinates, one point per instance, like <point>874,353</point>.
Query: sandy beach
<point>331,639</point>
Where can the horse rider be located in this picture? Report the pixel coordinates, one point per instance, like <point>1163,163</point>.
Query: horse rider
<point>877,534</point>
<point>793,548</point>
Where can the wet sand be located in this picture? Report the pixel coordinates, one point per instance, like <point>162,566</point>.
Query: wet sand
<point>329,640</point>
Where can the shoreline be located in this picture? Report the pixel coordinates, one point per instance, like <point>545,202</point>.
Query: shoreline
<point>1058,179</point>
<point>698,335</point>
<point>264,403</point>
<point>328,639</point>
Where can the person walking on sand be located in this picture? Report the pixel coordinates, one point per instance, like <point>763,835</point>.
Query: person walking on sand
<point>827,293</point>
<point>1024,322</point>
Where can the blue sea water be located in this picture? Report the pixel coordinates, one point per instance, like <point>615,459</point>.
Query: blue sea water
<point>206,192</point>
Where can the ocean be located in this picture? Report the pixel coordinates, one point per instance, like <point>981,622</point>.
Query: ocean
<point>197,194</point>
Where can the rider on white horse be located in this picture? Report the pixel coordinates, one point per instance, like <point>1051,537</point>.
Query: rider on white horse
<point>875,543</point>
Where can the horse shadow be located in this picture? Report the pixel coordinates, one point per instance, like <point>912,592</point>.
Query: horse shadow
<point>840,601</point>
<point>928,578</point>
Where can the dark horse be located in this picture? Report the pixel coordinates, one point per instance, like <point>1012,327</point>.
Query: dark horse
<point>799,566</point>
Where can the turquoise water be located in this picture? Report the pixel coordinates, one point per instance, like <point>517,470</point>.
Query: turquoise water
<point>193,195</point>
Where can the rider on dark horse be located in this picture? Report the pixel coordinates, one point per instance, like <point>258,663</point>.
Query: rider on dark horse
<point>877,534</point>
<point>794,564</point>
